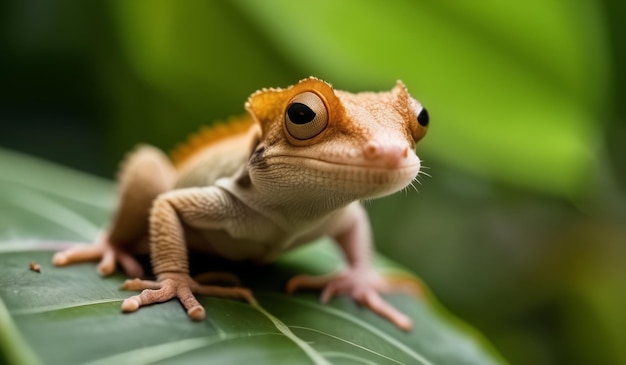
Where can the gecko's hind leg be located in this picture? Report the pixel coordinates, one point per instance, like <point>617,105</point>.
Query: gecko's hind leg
<point>365,287</point>
<point>145,173</point>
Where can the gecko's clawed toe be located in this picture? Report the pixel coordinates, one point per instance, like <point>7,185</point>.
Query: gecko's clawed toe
<point>181,286</point>
<point>196,313</point>
<point>307,282</point>
<point>363,286</point>
<point>129,264</point>
<point>107,262</point>
<point>59,259</point>
<point>130,305</point>
<point>77,254</point>
<point>138,284</point>
<point>103,251</point>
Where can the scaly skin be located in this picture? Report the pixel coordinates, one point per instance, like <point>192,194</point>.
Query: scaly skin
<point>294,171</point>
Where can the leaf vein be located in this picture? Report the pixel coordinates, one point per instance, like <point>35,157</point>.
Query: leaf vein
<point>348,356</point>
<point>53,308</point>
<point>346,341</point>
<point>152,354</point>
<point>399,345</point>
<point>54,212</point>
<point>313,354</point>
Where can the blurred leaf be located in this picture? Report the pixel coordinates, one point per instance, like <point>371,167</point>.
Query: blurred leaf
<point>185,64</point>
<point>71,315</point>
<point>40,200</point>
<point>515,90</point>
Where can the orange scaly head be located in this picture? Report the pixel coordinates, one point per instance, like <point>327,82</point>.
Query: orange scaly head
<point>330,140</point>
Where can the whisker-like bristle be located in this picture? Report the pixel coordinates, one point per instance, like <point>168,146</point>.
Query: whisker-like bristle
<point>421,171</point>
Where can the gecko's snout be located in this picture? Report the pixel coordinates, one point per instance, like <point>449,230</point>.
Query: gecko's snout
<point>388,156</point>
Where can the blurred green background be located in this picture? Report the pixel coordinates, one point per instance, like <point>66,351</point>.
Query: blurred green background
<point>521,228</point>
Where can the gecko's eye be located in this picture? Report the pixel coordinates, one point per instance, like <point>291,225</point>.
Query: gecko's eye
<point>422,117</point>
<point>420,124</point>
<point>306,116</point>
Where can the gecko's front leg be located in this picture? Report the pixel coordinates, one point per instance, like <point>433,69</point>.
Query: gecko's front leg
<point>181,286</point>
<point>197,207</point>
<point>359,280</point>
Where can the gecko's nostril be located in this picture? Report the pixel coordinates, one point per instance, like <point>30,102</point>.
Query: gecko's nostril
<point>371,150</point>
<point>385,155</point>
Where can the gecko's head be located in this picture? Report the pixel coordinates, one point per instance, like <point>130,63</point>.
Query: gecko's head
<point>322,141</point>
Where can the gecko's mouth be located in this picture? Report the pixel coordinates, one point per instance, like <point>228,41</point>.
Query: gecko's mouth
<point>363,180</point>
<point>409,166</point>
<point>382,169</point>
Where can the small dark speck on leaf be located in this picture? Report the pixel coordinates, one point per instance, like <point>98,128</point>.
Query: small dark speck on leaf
<point>35,267</point>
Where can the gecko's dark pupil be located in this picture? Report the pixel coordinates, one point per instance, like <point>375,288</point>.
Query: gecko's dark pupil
<point>300,113</point>
<point>422,118</point>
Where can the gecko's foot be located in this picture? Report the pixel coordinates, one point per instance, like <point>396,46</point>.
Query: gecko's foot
<point>104,251</point>
<point>181,286</point>
<point>363,286</point>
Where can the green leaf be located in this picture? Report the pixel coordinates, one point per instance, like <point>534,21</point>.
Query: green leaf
<point>72,315</point>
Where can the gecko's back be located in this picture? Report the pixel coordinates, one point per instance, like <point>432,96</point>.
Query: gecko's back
<point>213,153</point>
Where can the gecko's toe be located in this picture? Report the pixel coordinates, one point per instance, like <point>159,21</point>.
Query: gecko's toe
<point>404,323</point>
<point>307,282</point>
<point>196,313</point>
<point>108,261</point>
<point>138,284</point>
<point>130,305</point>
<point>105,268</point>
<point>131,266</point>
<point>377,304</point>
<point>59,259</point>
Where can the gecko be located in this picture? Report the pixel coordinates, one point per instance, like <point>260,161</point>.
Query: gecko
<point>293,170</point>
